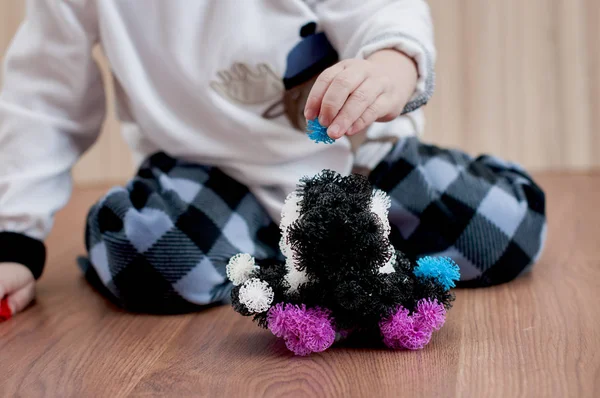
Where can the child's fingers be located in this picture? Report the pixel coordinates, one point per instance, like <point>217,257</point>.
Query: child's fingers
<point>17,289</point>
<point>344,84</point>
<point>358,102</point>
<point>313,102</point>
<point>13,277</point>
<point>20,299</point>
<point>370,115</point>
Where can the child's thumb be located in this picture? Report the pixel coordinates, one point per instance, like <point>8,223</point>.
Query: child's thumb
<point>20,299</point>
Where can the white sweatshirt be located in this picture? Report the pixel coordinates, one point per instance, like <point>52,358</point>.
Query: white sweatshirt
<point>199,80</point>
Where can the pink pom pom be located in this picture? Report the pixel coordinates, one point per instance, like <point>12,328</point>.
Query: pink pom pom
<point>295,344</point>
<point>304,330</point>
<point>403,331</point>
<point>319,333</point>
<point>276,320</point>
<point>430,313</point>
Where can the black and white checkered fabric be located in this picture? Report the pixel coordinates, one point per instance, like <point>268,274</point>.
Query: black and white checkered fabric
<point>486,214</point>
<point>161,244</point>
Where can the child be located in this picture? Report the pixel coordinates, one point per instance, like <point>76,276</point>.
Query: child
<point>213,99</point>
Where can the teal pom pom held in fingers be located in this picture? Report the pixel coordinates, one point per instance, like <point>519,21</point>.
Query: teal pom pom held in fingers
<point>317,132</point>
<point>443,269</point>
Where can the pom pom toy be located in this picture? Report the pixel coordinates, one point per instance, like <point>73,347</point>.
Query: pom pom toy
<point>256,295</point>
<point>341,275</point>
<point>240,268</point>
<point>443,271</point>
<point>317,132</point>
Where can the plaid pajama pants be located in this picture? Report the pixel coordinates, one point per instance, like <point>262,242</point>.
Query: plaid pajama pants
<point>161,243</point>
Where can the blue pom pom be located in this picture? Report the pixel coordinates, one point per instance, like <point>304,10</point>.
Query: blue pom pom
<point>318,133</point>
<point>443,269</point>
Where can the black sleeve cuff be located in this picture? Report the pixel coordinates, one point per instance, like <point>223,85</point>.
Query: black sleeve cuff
<point>21,249</point>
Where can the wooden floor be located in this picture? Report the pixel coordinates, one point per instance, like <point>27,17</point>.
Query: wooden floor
<point>535,337</point>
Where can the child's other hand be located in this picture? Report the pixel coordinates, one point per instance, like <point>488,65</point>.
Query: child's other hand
<point>351,95</point>
<point>17,289</point>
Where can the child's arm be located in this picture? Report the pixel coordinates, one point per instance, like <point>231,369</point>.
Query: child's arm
<point>51,109</point>
<point>388,68</point>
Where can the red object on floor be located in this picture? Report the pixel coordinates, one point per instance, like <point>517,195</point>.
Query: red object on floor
<point>5,312</point>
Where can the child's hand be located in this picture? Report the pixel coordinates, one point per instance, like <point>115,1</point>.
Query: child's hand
<point>351,95</point>
<point>17,289</point>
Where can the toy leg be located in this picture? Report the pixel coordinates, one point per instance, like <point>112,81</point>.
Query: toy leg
<point>161,244</point>
<point>486,214</point>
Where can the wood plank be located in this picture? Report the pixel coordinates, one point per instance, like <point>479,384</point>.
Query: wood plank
<point>537,336</point>
<point>72,341</point>
<point>533,337</point>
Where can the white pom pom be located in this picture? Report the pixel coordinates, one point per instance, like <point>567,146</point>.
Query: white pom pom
<point>290,211</point>
<point>240,267</point>
<point>284,246</point>
<point>256,295</point>
<point>388,268</point>
<point>380,204</point>
<point>294,277</point>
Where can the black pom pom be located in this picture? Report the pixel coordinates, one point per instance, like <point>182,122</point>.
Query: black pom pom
<point>338,235</point>
<point>235,302</point>
<point>273,272</point>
